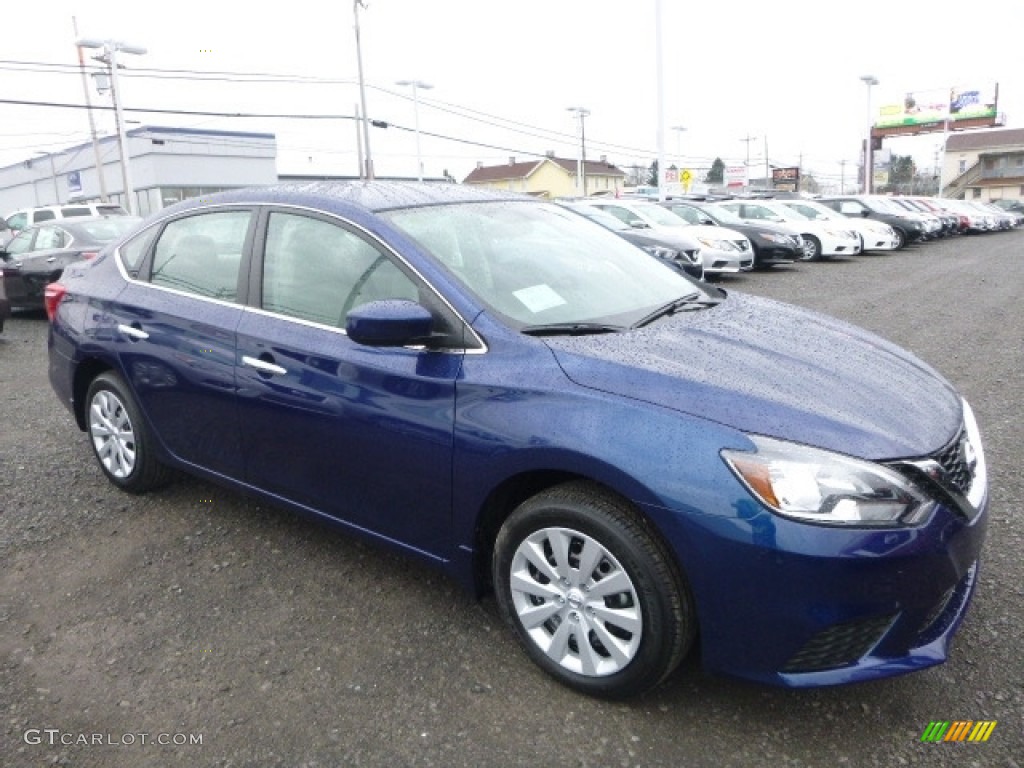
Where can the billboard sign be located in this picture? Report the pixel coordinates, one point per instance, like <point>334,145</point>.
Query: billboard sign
<point>935,106</point>
<point>735,176</point>
<point>968,103</point>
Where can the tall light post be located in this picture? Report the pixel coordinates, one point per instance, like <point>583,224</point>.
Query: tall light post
<point>366,172</point>
<point>869,169</point>
<point>110,50</point>
<point>581,177</point>
<point>416,85</point>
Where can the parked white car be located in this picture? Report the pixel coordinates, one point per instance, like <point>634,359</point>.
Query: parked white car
<point>24,218</point>
<point>874,235</point>
<point>722,249</point>
<point>821,238</point>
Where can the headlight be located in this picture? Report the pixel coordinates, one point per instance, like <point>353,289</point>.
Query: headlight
<point>661,251</point>
<point>814,485</point>
<point>842,234</point>
<point>774,237</point>
<point>718,245</point>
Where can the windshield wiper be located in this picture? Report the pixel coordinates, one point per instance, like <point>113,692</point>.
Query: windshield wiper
<point>570,329</point>
<point>690,301</point>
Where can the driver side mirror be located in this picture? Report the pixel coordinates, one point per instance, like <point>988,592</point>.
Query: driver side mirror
<point>637,224</point>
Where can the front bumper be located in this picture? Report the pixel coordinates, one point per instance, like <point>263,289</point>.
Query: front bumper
<point>721,261</point>
<point>800,605</point>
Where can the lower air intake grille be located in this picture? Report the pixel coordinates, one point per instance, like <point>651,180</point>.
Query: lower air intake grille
<point>839,645</point>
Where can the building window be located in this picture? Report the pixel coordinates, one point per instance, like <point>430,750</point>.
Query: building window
<point>963,166</point>
<point>976,192</point>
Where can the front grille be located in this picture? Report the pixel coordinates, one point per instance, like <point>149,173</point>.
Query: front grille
<point>840,645</point>
<point>956,463</point>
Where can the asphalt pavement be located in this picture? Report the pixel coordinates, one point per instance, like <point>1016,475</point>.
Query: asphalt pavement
<point>196,627</point>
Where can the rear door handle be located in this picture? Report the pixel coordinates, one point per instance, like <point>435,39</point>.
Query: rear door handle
<point>263,366</point>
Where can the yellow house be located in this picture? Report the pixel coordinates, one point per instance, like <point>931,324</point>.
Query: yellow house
<point>548,177</point>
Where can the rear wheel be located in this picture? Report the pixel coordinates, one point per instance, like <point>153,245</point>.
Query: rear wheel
<point>119,437</point>
<point>592,597</point>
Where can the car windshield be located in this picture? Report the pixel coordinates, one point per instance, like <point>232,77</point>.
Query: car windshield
<point>814,211</point>
<point>603,218</point>
<point>661,216</point>
<point>541,264</point>
<point>787,214</point>
<point>723,215</point>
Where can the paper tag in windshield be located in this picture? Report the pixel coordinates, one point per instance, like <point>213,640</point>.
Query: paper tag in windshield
<point>537,298</point>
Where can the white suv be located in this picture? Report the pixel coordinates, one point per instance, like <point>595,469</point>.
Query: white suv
<point>13,223</point>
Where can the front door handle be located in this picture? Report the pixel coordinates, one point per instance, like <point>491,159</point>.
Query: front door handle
<point>263,366</point>
<point>133,333</point>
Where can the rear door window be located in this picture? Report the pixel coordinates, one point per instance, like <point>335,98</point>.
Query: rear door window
<point>201,254</point>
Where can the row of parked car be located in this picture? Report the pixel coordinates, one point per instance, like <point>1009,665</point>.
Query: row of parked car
<point>704,237</point>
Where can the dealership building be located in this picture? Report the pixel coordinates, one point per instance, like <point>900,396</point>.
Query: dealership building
<point>167,165</point>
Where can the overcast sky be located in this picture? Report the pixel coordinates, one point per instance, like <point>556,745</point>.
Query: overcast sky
<point>504,73</point>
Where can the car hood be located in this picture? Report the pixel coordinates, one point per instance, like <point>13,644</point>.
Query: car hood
<point>714,232</point>
<point>678,240</point>
<point>774,369</point>
<point>771,226</point>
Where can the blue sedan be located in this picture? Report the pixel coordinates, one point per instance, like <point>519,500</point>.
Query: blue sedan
<point>628,458</point>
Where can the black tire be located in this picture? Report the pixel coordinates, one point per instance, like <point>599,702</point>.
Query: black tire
<point>901,238</point>
<point>649,618</point>
<point>812,248</point>
<point>119,437</point>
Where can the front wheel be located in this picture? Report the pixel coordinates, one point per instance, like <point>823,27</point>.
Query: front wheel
<point>901,238</point>
<point>812,248</point>
<point>591,595</point>
<point>119,437</point>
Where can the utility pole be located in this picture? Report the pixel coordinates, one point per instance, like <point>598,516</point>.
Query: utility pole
<point>368,173</point>
<point>747,139</point>
<point>842,177</point>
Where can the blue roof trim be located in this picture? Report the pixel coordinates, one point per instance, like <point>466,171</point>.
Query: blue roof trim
<point>199,132</point>
<point>140,133</point>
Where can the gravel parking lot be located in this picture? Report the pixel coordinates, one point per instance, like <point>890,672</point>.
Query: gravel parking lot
<point>133,627</point>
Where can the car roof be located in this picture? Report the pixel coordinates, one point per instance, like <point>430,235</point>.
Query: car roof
<point>371,196</point>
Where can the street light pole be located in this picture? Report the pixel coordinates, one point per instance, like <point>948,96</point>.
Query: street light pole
<point>869,80</point>
<point>367,173</point>
<point>416,86</point>
<point>110,51</point>
<point>92,121</point>
<point>581,170</point>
